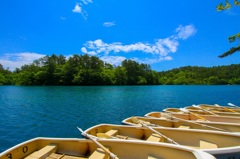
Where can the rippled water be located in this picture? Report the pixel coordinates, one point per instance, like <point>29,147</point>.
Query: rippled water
<point>28,112</point>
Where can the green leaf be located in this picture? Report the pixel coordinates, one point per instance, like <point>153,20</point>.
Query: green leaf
<point>220,7</point>
<point>234,37</point>
<point>236,3</point>
<point>228,5</point>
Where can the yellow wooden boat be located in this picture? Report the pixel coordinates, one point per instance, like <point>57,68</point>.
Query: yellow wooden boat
<point>218,108</point>
<point>62,148</point>
<point>180,123</point>
<point>196,117</point>
<point>201,112</point>
<point>220,144</point>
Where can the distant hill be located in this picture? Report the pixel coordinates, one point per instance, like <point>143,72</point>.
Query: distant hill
<point>218,75</point>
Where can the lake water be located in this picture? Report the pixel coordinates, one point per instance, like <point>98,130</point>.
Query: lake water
<point>28,112</point>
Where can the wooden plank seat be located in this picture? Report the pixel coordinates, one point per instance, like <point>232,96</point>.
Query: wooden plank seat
<point>151,157</point>
<point>139,121</point>
<point>148,123</point>
<point>99,154</point>
<point>55,156</point>
<point>184,127</point>
<point>43,153</point>
<point>126,137</point>
<point>204,145</point>
<point>72,157</point>
<point>64,156</point>
<point>155,138</point>
<point>109,134</point>
<point>112,132</point>
<point>122,137</point>
<point>207,145</point>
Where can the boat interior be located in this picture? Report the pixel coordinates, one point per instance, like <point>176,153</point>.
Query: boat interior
<point>199,140</point>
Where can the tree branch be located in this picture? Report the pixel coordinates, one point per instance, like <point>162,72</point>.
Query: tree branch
<point>230,52</point>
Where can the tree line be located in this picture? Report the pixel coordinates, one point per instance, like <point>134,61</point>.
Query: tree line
<point>194,75</point>
<point>90,70</point>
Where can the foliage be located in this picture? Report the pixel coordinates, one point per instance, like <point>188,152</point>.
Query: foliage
<point>90,70</point>
<point>227,5</point>
<point>5,76</point>
<point>220,75</point>
<point>232,38</point>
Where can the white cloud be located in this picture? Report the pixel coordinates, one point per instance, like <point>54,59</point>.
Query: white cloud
<point>17,60</point>
<point>159,50</point>
<point>116,52</point>
<point>84,50</point>
<point>152,60</point>
<point>166,58</point>
<point>63,18</point>
<point>109,24</point>
<point>114,60</point>
<point>184,32</point>
<point>161,47</point>
<point>149,52</point>
<point>77,9</point>
<point>87,1</point>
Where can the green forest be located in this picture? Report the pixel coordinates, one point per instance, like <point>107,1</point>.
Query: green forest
<point>81,70</point>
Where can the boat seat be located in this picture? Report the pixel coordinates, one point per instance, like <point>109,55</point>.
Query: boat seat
<point>200,120</point>
<point>122,137</point>
<point>44,152</point>
<point>184,127</point>
<point>63,156</point>
<point>155,138</point>
<point>207,145</point>
<point>139,121</point>
<point>71,157</point>
<point>112,132</point>
<point>99,154</point>
<point>126,137</point>
<point>55,156</point>
<point>151,157</point>
<point>147,123</point>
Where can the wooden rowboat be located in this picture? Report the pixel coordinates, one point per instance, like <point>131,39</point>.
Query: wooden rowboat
<point>50,148</point>
<point>220,144</point>
<point>218,108</point>
<point>196,117</point>
<point>200,112</point>
<point>186,124</point>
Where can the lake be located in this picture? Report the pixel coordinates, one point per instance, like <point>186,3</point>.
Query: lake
<point>28,112</point>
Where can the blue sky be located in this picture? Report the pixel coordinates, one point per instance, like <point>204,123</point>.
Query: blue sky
<point>164,34</point>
